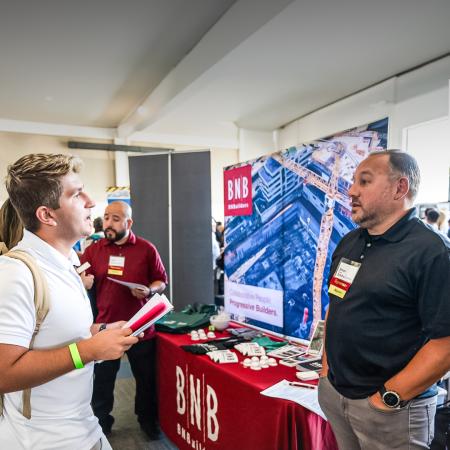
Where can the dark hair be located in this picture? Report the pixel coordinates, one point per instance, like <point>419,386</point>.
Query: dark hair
<point>98,224</point>
<point>405,165</point>
<point>432,215</point>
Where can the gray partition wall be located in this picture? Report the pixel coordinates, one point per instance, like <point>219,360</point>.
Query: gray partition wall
<point>149,178</point>
<point>171,200</point>
<point>191,228</point>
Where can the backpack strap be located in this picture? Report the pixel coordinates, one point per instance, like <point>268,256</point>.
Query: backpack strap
<point>42,305</point>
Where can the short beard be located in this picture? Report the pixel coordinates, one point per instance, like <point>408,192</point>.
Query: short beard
<point>118,235</point>
<point>367,220</point>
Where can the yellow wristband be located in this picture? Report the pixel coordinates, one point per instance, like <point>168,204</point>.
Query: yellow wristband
<point>76,358</point>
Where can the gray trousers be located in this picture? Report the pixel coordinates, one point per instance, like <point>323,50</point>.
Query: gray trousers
<point>358,425</point>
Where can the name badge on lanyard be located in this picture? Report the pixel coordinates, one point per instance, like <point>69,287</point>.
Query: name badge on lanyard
<point>116,265</point>
<point>343,277</point>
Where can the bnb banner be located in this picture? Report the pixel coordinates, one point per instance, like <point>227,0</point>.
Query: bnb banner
<point>284,215</point>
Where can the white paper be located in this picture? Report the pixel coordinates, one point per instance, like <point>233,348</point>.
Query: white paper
<point>129,284</point>
<point>155,300</point>
<point>83,267</point>
<point>305,397</point>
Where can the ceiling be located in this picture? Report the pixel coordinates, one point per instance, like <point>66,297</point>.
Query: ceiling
<point>194,71</point>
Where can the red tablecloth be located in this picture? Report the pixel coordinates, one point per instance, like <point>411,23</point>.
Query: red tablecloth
<point>205,405</point>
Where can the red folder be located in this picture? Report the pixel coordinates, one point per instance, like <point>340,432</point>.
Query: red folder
<point>149,315</point>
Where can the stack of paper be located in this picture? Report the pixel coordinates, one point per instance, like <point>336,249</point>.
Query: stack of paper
<point>301,395</point>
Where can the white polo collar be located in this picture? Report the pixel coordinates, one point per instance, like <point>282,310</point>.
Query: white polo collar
<point>46,252</point>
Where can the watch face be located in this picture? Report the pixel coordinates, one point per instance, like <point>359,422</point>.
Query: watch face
<point>391,399</point>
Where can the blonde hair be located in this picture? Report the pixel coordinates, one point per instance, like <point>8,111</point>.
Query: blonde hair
<point>11,227</point>
<point>442,221</point>
<point>35,180</point>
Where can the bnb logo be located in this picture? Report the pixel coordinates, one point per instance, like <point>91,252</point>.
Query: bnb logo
<point>238,191</point>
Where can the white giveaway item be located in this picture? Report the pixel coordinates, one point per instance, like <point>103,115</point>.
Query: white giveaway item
<point>291,362</point>
<point>83,267</point>
<point>220,321</point>
<point>307,376</point>
<point>223,356</point>
<point>255,365</point>
<point>287,351</point>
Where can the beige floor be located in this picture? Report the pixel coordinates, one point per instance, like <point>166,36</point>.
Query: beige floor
<point>126,434</point>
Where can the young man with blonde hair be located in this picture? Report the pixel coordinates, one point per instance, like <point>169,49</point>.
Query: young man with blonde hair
<point>48,195</point>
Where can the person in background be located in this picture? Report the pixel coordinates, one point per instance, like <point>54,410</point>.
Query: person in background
<point>388,323</point>
<point>11,227</point>
<point>124,256</point>
<point>220,233</point>
<point>97,234</point>
<point>215,251</point>
<point>432,217</point>
<point>47,193</point>
<point>220,262</point>
<point>442,222</point>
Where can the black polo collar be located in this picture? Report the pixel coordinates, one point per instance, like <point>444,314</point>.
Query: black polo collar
<point>397,231</point>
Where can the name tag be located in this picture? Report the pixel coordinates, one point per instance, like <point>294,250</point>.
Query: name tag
<point>343,277</point>
<point>116,265</point>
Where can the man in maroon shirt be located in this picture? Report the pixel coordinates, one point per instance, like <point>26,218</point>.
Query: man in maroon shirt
<point>123,256</point>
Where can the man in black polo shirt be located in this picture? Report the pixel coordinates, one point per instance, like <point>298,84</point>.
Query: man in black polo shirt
<point>388,323</point>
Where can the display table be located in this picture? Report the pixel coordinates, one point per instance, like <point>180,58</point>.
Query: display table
<point>205,405</point>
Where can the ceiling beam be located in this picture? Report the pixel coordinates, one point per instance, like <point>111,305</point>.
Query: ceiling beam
<point>242,20</point>
<point>56,129</point>
<point>111,147</point>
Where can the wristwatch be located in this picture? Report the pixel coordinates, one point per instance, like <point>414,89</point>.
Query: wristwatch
<point>391,398</point>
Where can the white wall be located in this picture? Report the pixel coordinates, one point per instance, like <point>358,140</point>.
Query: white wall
<point>254,143</point>
<point>409,101</point>
<point>367,106</point>
<point>413,98</point>
<point>98,169</point>
<point>429,143</point>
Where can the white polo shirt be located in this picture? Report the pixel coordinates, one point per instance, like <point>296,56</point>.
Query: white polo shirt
<point>61,415</point>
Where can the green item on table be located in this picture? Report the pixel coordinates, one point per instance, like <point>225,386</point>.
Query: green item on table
<point>190,318</point>
<point>268,343</point>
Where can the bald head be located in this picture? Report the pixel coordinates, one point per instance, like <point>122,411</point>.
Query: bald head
<point>117,222</point>
<point>119,207</point>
